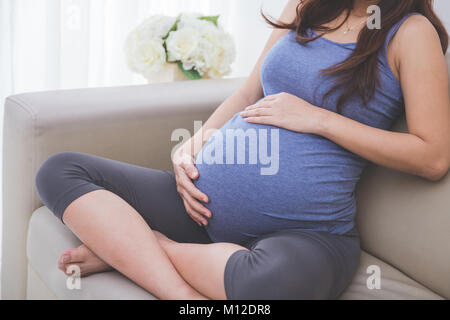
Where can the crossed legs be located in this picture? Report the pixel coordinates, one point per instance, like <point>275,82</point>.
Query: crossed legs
<point>132,219</point>
<point>125,242</point>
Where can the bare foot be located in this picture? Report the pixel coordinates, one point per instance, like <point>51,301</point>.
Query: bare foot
<point>84,258</point>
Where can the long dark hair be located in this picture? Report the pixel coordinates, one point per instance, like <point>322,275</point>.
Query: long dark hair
<point>359,73</point>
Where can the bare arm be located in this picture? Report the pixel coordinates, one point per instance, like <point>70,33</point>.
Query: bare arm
<point>425,150</point>
<point>249,93</point>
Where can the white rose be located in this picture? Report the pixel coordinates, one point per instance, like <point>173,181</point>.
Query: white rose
<point>197,43</point>
<point>146,56</point>
<point>182,44</point>
<point>156,26</point>
<point>144,45</point>
<point>188,19</point>
<point>221,54</point>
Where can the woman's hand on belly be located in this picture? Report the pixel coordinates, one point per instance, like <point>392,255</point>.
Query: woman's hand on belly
<point>185,172</point>
<point>286,111</point>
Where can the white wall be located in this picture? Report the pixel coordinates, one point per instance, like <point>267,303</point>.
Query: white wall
<point>252,32</point>
<point>443,9</point>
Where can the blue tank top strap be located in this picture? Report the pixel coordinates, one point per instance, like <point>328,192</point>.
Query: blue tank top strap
<point>393,31</point>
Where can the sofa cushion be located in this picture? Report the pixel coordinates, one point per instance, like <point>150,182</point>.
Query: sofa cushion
<point>48,237</point>
<point>394,285</point>
<point>405,221</point>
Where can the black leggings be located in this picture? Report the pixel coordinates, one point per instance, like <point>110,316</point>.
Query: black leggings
<point>284,265</point>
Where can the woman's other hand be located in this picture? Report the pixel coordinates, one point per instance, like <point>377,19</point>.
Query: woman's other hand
<point>286,111</point>
<point>185,173</point>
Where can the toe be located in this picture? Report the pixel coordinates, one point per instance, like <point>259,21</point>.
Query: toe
<point>74,255</point>
<point>73,269</point>
<point>64,258</point>
<point>62,267</point>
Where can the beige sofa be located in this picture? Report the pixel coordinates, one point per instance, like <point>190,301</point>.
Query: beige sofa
<point>404,220</point>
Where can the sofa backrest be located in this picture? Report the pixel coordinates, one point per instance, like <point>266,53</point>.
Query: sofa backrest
<point>405,221</point>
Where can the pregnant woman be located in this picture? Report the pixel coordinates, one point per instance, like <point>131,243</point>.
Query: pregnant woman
<point>325,91</point>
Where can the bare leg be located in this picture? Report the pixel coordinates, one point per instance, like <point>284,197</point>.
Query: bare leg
<point>119,236</point>
<point>212,285</point>
<point>201,265</point>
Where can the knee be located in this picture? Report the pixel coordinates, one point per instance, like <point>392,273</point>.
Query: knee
<point>50,172</point>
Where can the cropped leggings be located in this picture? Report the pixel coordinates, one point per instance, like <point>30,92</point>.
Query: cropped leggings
<point>284,265</point>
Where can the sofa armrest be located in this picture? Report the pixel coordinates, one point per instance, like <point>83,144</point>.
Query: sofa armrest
<point>130,124</point>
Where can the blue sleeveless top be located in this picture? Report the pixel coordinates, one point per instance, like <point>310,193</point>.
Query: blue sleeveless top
<point>313,188</point>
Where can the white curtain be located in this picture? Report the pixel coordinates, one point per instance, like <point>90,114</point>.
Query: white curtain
<point>53,44</point>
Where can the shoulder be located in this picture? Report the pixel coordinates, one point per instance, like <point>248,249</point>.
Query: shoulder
<point>416,31</point>
<point>416,39</point>
<point>417,27</point>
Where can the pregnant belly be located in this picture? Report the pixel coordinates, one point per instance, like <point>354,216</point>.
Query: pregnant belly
<point>261,179</point>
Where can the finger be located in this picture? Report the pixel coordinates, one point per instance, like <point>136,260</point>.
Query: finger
<point>179,174</point>
<point>261,120</point>
<point>258,112</point>
<point>271,97</point>
<point>187,164</point>
<point>183,158</point>
<point>197,206</point>
<point>261,104</point>
<point>194,215</point>
<point>187,184</point>
<point>180,168</point>
<point>197,215</point>
<point>190,170</point>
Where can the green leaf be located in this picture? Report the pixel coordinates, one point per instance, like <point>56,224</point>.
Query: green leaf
<point>173,28</point>
<point>191,74</point>
<point>213,19</point>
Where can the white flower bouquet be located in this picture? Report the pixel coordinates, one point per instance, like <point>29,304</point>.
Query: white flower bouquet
<point>196,45</point>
